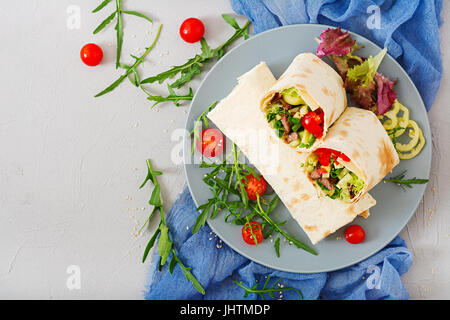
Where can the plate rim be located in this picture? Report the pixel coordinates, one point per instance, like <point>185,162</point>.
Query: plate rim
<point>370,252</point>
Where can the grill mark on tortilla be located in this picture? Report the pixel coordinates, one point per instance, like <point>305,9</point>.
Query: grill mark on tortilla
<point>297,187</point>
<point>294,202</point>
<point>316,60</point>
<point>305,196</point>
<point>311,228</point>
<point>343,133</point>
<point>351,210</point>
<point>365,214</point>
<point>301,75</point>
<point>356,154</point>
<point>286,179</point>
<point>325,91</point>
<point>326,233</point>
<point>307,70</point>
<point>386,158</point>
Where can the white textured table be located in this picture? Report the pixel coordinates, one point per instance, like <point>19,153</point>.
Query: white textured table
<point>70,165</point>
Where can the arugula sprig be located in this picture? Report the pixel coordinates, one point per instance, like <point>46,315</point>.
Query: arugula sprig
<point>119,23</point>
<point>265,289</point>
<point>405,183</point>
<point>226,183</point>
<point>194,65</point>
<point>165,244</point>
<point>173,97</point>
<point>201,120</point>
<point>130,69</point>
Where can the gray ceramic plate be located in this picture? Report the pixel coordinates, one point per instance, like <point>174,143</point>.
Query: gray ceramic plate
<point>394,207</point>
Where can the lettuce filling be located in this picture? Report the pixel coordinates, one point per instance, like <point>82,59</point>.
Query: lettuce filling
<point>284,113</point>
<point>336,181</point>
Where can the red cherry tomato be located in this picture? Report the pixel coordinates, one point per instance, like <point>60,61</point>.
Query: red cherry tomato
<point>344,157</point>
<point>324,155</point>
<point>91,54</point>
<point>254,186</point>
<point>210,143</point>
<point>192,30</point>
<point>355,234</point>
<point>251,230</point>
<point>313,122</point>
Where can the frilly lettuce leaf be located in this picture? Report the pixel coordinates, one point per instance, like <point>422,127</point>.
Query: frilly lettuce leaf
<point>334,41</point>
<point>365,72</point>
<point>385,93</point>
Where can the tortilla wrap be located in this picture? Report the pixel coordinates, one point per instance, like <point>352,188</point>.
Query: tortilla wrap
<point>359,134</point>
<point>320,86</point>
<point>238,116</point>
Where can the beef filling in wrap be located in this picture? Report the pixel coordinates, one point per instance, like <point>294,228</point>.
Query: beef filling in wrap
<point>325,168</point>
<point>293,120</point>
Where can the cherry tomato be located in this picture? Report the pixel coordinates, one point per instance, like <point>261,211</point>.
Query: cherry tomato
<point>192,30</point>
<point>211,143</point>
<point>355,234</point>
<point>344,157</point>
<point>251,229</point>
<point>313,122</point>
<point>254,186</point>
<point>91,54</point>
<point>324,155</point>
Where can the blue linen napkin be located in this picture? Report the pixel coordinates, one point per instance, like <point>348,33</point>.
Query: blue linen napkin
<point>215,265</point>
<point>409,29</point>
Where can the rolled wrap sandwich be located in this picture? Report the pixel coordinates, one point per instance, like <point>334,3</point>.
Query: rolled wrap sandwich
<point>276,161</point>
<point>305,101</point>
<point>356,154</point>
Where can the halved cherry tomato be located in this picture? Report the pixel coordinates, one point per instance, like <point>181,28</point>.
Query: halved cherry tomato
<point>91,54</point>
<point>254,186</point>
<point>192,30</point>
<point>210,143</point>
<point>324,155</point>
<point>250,231</point>
<point>344,157</point>
<point>355,234</point>
<point>313,122</point>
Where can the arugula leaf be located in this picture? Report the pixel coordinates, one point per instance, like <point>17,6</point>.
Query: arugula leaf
<point>402,182</point>
<point>119,24</point>
<point>165,244</point>
<point>202,119</point>
<point>265,289</point>
<point>101,6</point>
<point>119,31</point>
<point>129,69</point>
<point>138,14</point>
<point>105,22</point>
<point>171,97</point>
<point>194,65</point>
<point>188,274</point>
